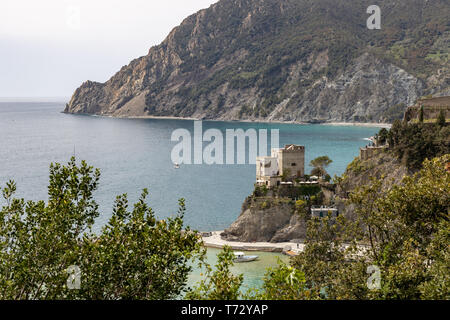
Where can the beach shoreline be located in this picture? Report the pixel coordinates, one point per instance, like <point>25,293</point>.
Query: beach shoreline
<point>215,241</point>
<point>343,124</point>
<point>359,124</point>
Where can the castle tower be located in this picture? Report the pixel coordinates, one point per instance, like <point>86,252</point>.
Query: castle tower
<point>291,160</point>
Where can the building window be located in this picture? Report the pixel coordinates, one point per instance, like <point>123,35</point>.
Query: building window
<point>293,164</point>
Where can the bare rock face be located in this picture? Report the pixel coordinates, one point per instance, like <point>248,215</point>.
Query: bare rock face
<point>266,220</point>
<point>361,93</point>
<point>288,60</point>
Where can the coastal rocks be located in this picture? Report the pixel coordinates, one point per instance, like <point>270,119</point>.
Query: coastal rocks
<point>266,220</point>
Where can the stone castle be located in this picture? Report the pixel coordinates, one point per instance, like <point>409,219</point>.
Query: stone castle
<point>431,108</point>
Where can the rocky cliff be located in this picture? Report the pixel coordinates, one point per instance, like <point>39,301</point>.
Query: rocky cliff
<point>266,220</point>
<point>289,60</point>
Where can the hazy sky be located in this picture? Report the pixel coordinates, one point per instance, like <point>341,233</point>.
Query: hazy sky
<point>49,47</point>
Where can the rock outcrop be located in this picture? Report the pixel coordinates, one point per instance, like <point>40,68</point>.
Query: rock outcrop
<point>288,60</point>
<point>266,220</point>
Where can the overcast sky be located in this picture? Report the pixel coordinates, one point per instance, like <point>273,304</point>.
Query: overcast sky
<point>49,47</point>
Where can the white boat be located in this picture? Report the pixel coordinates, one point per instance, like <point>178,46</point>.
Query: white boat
<point>176,166</point>
<point>241,257</point>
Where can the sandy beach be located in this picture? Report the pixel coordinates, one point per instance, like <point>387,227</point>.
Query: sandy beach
<point>356,124</point>
<point>215,241</point>
<point>359,124</point>
<point>152,117</point>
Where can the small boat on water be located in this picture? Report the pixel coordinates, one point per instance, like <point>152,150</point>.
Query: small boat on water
<point>241,257</point>
<point>176,166</point>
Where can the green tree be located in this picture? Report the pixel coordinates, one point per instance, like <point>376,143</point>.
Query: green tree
<point>138,257</point>
<point>382,136</point>
<point>324,262</point>
<point>134,256</point>
<point>412,143</point>
<point>441,118</point>
<point>421,114</point>
<point>282,283</point>
<point>286,174</point>
<point>319,165</point>
<point>40,241</point>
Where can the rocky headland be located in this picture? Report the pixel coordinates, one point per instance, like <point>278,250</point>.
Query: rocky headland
<point>284,60</point>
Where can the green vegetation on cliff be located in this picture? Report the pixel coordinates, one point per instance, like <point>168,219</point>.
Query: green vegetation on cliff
<point>406,233</point>
<point>412,143</point>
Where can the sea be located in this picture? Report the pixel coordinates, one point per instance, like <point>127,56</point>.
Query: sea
<point>133,154</point>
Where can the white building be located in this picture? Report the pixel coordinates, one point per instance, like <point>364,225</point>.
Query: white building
<point>322,212</point>
<point>266,166</point>
<point>288,162</point>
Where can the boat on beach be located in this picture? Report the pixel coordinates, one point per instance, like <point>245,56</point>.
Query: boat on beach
<point>241,257</point>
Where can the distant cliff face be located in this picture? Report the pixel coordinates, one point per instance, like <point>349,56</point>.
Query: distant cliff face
<point>291,60</point>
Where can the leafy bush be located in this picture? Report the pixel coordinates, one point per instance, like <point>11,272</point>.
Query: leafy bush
<point>414,142</point>
<point>135,256</point>
<point>404,231</point>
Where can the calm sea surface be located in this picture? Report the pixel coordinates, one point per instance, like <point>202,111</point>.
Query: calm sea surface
<point>135,154</point>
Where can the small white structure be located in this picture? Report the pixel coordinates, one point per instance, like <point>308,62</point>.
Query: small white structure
<point>287,162</point>
<point>322,212</point>
<point>266,166</point>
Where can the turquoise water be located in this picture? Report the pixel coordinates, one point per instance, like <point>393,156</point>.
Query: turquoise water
<point>135,154</point>
<point>253,272</point>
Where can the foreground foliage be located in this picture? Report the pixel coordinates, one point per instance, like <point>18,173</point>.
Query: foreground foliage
<point>402,232</point>
<point>44,245</point>
<point>221,283</point>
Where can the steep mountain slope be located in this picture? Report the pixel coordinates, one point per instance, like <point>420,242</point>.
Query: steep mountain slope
<point>293,60</point>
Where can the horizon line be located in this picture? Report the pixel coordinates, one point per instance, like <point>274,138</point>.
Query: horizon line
<point>64,99</point>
